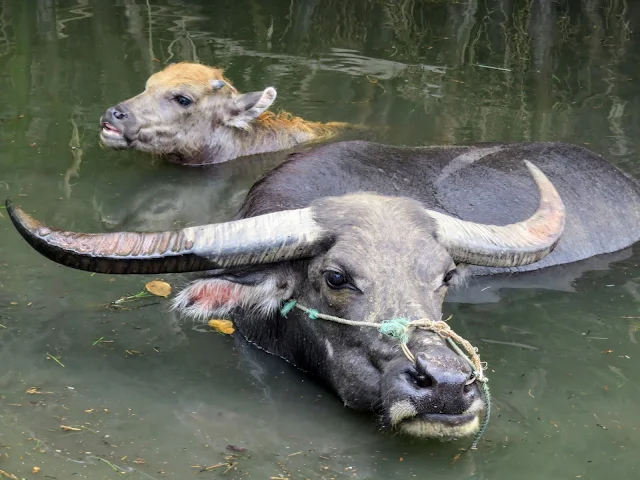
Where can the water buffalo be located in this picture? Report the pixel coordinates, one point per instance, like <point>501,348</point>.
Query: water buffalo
<point>371,232</point>
<point>191,114</point>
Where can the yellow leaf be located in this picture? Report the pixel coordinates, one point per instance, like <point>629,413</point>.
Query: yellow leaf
<point>159,288</point>
<point>36,391</point>
<point>35,469</point>
<point>222,326</point>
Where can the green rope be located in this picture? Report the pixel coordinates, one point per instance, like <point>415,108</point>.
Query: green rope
<point>288,307</point>
<point>486,393</point>
<point>487,414</point>
<point>398,328</point>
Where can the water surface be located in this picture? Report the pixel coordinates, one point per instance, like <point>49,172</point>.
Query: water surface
<point>162,398</point>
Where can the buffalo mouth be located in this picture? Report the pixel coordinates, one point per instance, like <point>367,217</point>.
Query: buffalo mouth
<point>451,420</point>
<point>112,137</point>
<point>109,129</point>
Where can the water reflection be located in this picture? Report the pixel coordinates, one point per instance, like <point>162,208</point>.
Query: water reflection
<point>414,72</point>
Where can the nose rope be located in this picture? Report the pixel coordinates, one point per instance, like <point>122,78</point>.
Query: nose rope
<point>400,328</point>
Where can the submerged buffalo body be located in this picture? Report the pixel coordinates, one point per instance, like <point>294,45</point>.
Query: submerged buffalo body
<point>485,183</point>
<point>372,232</point>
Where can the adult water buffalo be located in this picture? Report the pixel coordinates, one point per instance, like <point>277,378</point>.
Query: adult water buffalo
<point>372,232</point>
<point>191,114</point>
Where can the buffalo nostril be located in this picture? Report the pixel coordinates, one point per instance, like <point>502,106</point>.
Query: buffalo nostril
<point>439,384</point>
<point>420,375</point>
<point>419,379</point>
<point>428,373</point>
<point>118,113</point>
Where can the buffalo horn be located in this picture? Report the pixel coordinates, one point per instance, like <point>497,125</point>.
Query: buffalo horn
<point>268,238</point>
<point>512,245</point>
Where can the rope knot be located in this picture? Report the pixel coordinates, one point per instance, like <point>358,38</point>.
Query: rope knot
<point>441,327</point>
<point>397,328</point>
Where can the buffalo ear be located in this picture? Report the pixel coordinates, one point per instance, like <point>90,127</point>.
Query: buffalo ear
<point>250,106</point>
<point>260,291</point>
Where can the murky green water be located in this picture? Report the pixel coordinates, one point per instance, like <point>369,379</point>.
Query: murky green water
<point>419,72</point>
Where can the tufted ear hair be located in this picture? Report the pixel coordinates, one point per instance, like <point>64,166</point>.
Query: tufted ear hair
<point>249,107</point>
<point>261,292</point>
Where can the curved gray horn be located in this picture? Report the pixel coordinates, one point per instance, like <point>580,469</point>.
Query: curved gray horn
<point>268,238</point>
<point>509,245</point>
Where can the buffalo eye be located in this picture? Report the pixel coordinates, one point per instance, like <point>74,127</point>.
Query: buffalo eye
<point>448,276</point>
<point>182,100</point>
<point>335,280</point>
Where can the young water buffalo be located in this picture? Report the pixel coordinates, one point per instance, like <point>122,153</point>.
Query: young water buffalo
<point>191,114</point>
<point>372,232</point>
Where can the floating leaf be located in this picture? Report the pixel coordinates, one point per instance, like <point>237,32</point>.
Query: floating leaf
<point>35,469</point>
<point>223,326</point>
<point>36,391</point>
<point>70,429</point>
<point>8,475</point>
<point>55,359</point>
<point>235,448</point>
<point>159,288</point>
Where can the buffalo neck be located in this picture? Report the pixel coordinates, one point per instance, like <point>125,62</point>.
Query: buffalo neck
<point>274,132</point>
<point>269,133</point>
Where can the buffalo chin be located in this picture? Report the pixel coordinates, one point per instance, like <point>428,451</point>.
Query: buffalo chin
<point>450,429</point>
<point>405,418</point>
<point>113,140</point>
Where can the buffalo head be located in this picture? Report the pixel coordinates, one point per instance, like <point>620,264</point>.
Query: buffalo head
<point>193,115</point>
<point>362,257</point>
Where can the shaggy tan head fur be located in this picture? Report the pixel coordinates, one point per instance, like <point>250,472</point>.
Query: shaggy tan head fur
<point>194,115</point>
